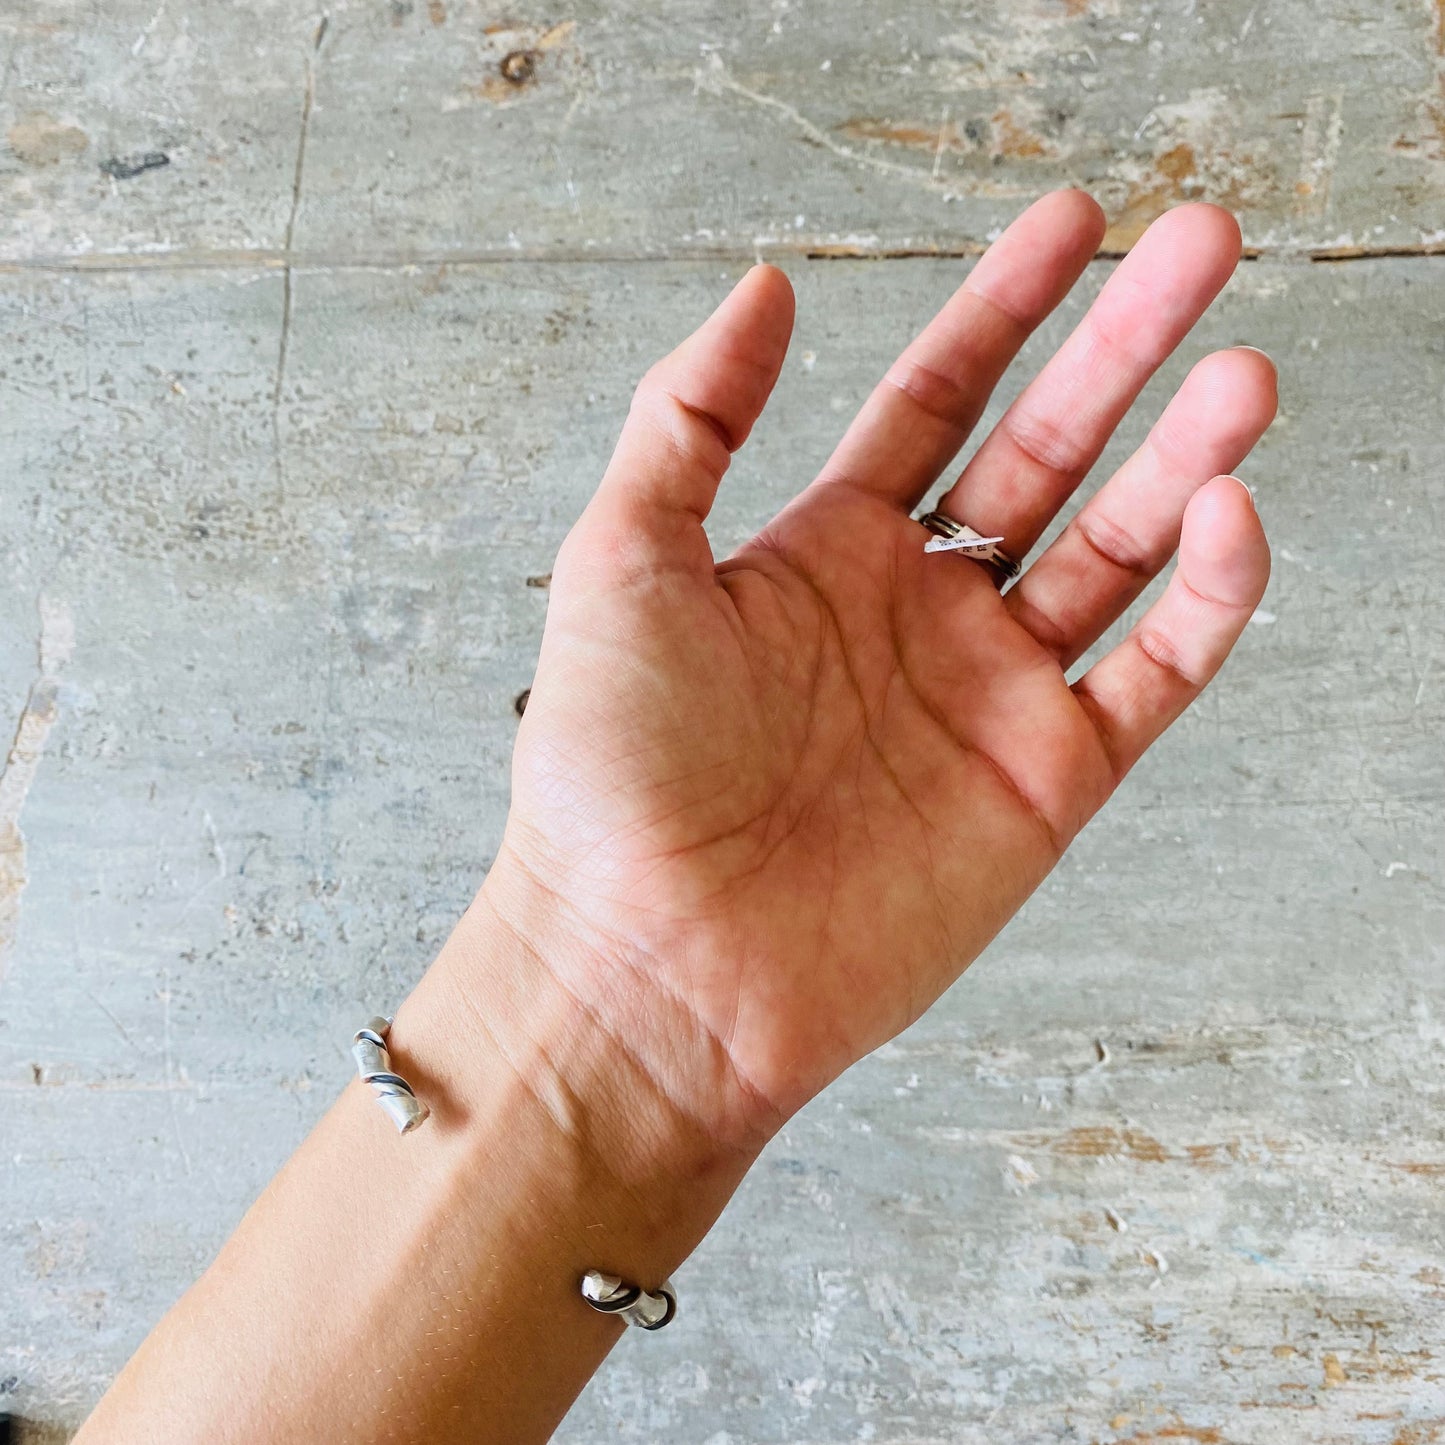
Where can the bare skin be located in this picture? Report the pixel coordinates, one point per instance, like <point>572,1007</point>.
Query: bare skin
<point>764,812</point>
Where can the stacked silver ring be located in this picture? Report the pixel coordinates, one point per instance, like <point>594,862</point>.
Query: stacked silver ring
<point>952,536</point>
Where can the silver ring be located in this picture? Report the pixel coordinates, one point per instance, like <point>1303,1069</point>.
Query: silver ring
<point>952,536</point>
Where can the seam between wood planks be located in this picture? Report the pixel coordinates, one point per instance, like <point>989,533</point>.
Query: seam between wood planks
<point>287,261</point>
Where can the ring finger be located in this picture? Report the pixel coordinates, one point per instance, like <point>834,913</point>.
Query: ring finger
<point>1127,531</point>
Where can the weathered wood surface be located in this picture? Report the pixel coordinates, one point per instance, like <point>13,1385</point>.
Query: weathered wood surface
<point>1166,1165</point>
<point>433,128</point>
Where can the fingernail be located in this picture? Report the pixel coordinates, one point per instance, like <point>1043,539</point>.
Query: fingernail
<point>1244,486</point>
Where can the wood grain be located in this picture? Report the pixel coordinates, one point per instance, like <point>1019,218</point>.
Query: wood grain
<point>144,134</point>
<point>1166,1165</point>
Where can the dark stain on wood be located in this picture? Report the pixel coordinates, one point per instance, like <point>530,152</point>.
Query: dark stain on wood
<point>127,168</point>
<point>518,66</point>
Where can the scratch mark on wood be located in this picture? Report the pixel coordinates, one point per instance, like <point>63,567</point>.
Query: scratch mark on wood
<point>1319,154</point>
<point>307,100</point>
<point>57,642</point>
<point>119,1027</point>
<point>714,78</point>
<point>140,40</point>
<point>170,1068</point>
<point>938,149</point>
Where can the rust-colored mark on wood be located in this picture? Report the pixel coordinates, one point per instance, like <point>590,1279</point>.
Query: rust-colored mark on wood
<point>40,140</point>
<point>1016,141</point>
<point>1165,186</point>
<point>436,11</point>
<point>1428,134</point>
<point>555,35</point>
<point>517,69</point>
<point>1001,136</point>
<point>57,639</point>
<point>1204,1434</point>
<point>912,135</point>
<point>1098,1142</point>
<point>1426,1432</point>
<point>1334,1372</point>
<point>1213,1156</point>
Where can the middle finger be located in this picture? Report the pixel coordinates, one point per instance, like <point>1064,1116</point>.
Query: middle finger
<point>1049,438</point>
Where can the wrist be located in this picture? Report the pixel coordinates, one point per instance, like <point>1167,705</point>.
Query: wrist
<point>539,1060</point>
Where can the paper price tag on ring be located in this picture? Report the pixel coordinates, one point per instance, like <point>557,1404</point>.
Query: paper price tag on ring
<point>971,543</point>
<point>951,535</point>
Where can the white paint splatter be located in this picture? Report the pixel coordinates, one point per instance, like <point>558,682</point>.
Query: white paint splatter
<point>1019,1174</point>
<point>57,642</point>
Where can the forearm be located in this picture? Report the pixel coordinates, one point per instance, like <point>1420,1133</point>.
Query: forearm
<point>425,1288</point>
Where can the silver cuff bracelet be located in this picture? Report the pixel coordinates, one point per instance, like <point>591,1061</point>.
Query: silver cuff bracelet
<point>611,1296</point>
<point>393,1092</point>
<point>606,1293</point>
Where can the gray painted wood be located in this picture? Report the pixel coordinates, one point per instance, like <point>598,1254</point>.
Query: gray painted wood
<point>431,128</point>
<point>1165,1165</point>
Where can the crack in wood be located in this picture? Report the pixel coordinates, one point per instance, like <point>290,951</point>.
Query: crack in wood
<point>287,263</point>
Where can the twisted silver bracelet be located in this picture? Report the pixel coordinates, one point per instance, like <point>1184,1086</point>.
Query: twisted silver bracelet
<point>393,1092</point>
<point>606,1293</point>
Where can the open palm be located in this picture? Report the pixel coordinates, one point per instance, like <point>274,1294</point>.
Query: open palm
<point>781,802</point>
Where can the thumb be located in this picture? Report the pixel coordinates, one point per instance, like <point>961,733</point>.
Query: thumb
<point>691,411</point>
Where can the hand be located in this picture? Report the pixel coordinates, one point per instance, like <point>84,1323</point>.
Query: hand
<point>766,811</point>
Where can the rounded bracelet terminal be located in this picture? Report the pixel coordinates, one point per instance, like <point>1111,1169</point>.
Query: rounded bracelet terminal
<point>609,1295</point>
<point>393,1093</point>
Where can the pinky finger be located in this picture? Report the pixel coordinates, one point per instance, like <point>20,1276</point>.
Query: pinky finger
<point>1134,692</point>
